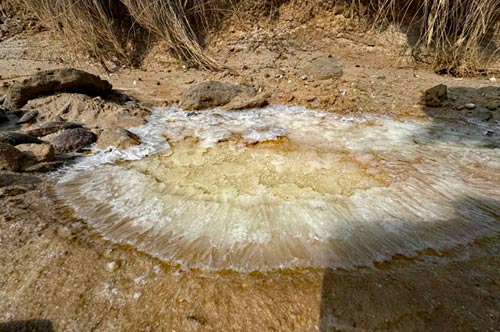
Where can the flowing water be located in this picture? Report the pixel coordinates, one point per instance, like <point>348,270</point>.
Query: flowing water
<point>286,187</point>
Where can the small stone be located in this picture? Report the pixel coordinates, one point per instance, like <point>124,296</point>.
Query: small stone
<point>28,117</point>
<point>52,127</point>
<point>323,68</point>
<point>436,96</point>
<point>73,140</point>
<point>470,106</point>
<point>212,94</point>
<point>119,137</point>
<point>38,152</point>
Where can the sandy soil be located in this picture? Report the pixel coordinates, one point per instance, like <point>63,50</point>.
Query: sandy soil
<point>57,274</point>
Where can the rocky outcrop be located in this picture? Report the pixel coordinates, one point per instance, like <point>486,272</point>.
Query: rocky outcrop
<point>323,68</point>
<point>11,159</point>
<point>72,140</point>
<point>436,96</point>
<point>53,81</point>
<point>16,138</point>
<point>212,94</point>
<point>119,137</point>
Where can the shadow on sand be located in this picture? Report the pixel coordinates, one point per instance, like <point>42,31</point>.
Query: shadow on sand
<point>433,291</point>
<point>445,290</point>
<point>35,325</point>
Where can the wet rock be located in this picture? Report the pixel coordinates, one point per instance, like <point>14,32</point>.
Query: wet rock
<point>479,114</point>
<point>436,96</point>
<point>11,159</point>
<point>28,117</point>
<point>212,94</point>
<point>119,137</point>
<point>323,68</point>
<point>243,103</point>
<point>38,152</point>
<point>3,116</point>
<point>16,138</point>
<point>44,167</point>
<point>73,139</point>
<point>52,127</point>
<point>52,81</point>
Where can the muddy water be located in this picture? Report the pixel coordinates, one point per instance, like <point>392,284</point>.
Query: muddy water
<point>291,188</point>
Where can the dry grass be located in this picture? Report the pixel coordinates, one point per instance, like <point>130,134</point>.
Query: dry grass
<point>459,33</point>
<point>103,28</point>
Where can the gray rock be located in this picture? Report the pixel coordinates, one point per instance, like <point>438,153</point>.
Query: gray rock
<point>323,68</point>
<point>27,117</point>
<point>52,81</point>
<point>52,127</point>
<point>73,139</point>
<point>16,138</point>
<point>212,94</point>
<point>119,137</point>
<point>11,159</point>
<point>481,114</point>
<point>470,106</point>
<point>436,96</point>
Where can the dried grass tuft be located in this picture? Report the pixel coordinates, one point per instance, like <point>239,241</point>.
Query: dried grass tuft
<point>460,34</point>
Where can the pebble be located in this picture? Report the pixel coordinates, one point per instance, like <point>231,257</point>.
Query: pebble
<point>470,106</point>
<point>28,117</point>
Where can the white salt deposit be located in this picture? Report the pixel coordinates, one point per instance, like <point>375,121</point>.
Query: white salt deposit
<point>286,187</point>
